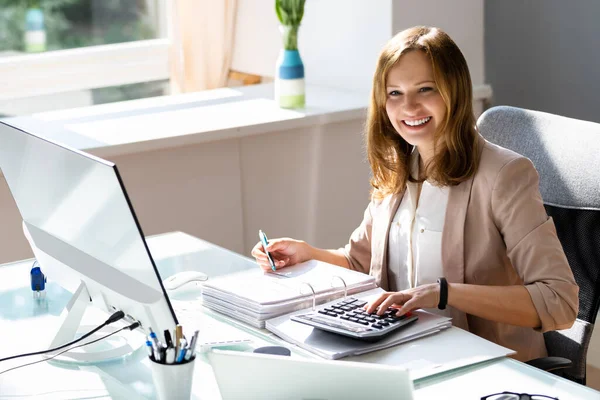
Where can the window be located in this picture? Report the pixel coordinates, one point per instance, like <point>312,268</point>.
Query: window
<point>95,50</point>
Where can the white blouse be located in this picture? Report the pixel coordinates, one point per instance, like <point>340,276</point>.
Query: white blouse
<point>415,239</point>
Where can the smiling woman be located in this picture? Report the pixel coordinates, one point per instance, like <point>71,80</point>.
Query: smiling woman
<point>456,225</point>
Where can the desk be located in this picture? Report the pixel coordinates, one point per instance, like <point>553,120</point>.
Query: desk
<point>23,322</point>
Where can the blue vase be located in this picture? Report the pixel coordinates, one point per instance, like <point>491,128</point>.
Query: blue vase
<point>289,74</point>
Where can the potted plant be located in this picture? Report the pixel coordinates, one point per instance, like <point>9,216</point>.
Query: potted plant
<point>289,73</point>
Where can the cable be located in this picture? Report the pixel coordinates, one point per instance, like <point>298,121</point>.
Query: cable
<point>113,318</point>
<point>130,327</point>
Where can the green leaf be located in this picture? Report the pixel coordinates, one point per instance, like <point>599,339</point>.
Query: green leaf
<point>290,12</point>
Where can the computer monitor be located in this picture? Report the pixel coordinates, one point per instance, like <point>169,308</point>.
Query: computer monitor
<point>82,225</point>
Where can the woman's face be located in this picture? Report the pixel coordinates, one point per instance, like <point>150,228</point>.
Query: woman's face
<point>414,105</point>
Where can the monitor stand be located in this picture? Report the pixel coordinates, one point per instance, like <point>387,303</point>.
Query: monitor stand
<point>116,346</point>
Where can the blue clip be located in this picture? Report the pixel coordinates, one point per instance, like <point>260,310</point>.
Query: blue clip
<point>38,279</point>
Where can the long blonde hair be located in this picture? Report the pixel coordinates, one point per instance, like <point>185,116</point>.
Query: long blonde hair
<point>455,157</point>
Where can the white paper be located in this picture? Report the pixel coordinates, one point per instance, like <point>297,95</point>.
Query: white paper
<point>254,296</point>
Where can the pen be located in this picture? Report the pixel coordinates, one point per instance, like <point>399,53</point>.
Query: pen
<point>190,353</point>
<point>178,337</point>
<point>182,351</point>
<point>163,353</point>
<point>153,337</point>
<point>155,345</point>
<point>168,340</point>
<point>150,349</point>
<point>170,357</point>
<point>265,243</point>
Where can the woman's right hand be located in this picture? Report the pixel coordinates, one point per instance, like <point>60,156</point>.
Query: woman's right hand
<point>284,251</point>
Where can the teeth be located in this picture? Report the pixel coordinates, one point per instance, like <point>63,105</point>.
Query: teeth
<point>417,122</point>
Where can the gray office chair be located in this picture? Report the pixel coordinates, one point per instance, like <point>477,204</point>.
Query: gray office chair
<point>566,153</point>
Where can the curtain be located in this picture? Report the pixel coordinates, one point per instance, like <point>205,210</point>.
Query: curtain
<point>202,33</point>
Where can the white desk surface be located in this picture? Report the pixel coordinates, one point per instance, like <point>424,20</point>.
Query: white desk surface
<point>23,322</point>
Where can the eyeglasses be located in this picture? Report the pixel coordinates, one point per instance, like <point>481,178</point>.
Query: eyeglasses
<point>517,396</point>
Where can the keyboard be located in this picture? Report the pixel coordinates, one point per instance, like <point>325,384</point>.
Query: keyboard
<point>348,318</point>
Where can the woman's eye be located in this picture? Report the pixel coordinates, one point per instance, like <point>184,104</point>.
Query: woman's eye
<point>425,89</point>
<point>394,93</point>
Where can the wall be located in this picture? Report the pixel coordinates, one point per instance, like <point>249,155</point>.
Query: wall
<point>543,55</point>
<point>461,19</point>
<point>339,40</point>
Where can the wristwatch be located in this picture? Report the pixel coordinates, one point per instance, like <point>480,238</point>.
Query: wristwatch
<point>443,293</point>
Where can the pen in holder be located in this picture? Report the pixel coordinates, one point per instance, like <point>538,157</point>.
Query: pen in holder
<point>343,282</point>
<point>172,363</point>
<point>314,295</point>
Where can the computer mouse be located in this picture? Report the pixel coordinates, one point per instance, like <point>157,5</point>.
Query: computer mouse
<point>183,277</point>
<point>276,350</point>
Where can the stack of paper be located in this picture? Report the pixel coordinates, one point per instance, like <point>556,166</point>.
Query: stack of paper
<point>254,296</point>
<point>332,346</point>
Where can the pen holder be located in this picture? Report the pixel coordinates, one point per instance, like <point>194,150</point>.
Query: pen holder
<point>173,381</point>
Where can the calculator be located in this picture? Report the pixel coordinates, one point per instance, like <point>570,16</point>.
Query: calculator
<point>348,318</point>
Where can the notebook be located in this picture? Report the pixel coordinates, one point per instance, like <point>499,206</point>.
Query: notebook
<point>254,296</point>
<point>262,376</point>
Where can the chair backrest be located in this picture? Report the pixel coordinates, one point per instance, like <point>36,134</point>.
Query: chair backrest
<point>566,153</point>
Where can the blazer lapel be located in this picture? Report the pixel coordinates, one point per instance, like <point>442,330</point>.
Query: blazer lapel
<point>453,236</point>
<point>380,232</point>
<point>453,239</point>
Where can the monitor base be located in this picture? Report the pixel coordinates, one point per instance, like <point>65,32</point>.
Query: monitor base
<point>111,348</point>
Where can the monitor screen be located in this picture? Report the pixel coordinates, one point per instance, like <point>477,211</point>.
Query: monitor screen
<point>82,225</point>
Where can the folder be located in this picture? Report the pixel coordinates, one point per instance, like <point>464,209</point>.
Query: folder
<point>254,296</point>
<point>440,347</point>
<point>333,346</point>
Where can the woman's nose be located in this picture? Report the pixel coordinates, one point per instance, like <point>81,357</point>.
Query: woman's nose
<point>410,102</point>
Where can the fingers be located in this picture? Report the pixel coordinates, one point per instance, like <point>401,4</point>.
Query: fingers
<point>372,306</point>
<point>409,306</point>
<point>386,300</point>
<point>263,261</point>
<point>398,298</point>
<point>279,245</point>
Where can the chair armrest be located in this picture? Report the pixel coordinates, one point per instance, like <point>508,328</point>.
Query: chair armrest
<point>550,363</point>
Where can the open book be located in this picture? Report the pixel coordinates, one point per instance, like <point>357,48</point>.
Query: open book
<point>254,296</point>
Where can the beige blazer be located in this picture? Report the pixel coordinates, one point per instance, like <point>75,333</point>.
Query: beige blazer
<point>496,232</point>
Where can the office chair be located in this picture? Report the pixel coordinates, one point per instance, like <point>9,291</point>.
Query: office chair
<point>566,153</point>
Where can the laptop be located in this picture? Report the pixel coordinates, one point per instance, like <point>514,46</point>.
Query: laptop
<point>246,375</point>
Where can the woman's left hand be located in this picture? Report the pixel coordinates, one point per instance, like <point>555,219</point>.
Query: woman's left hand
<point>424,296</point>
